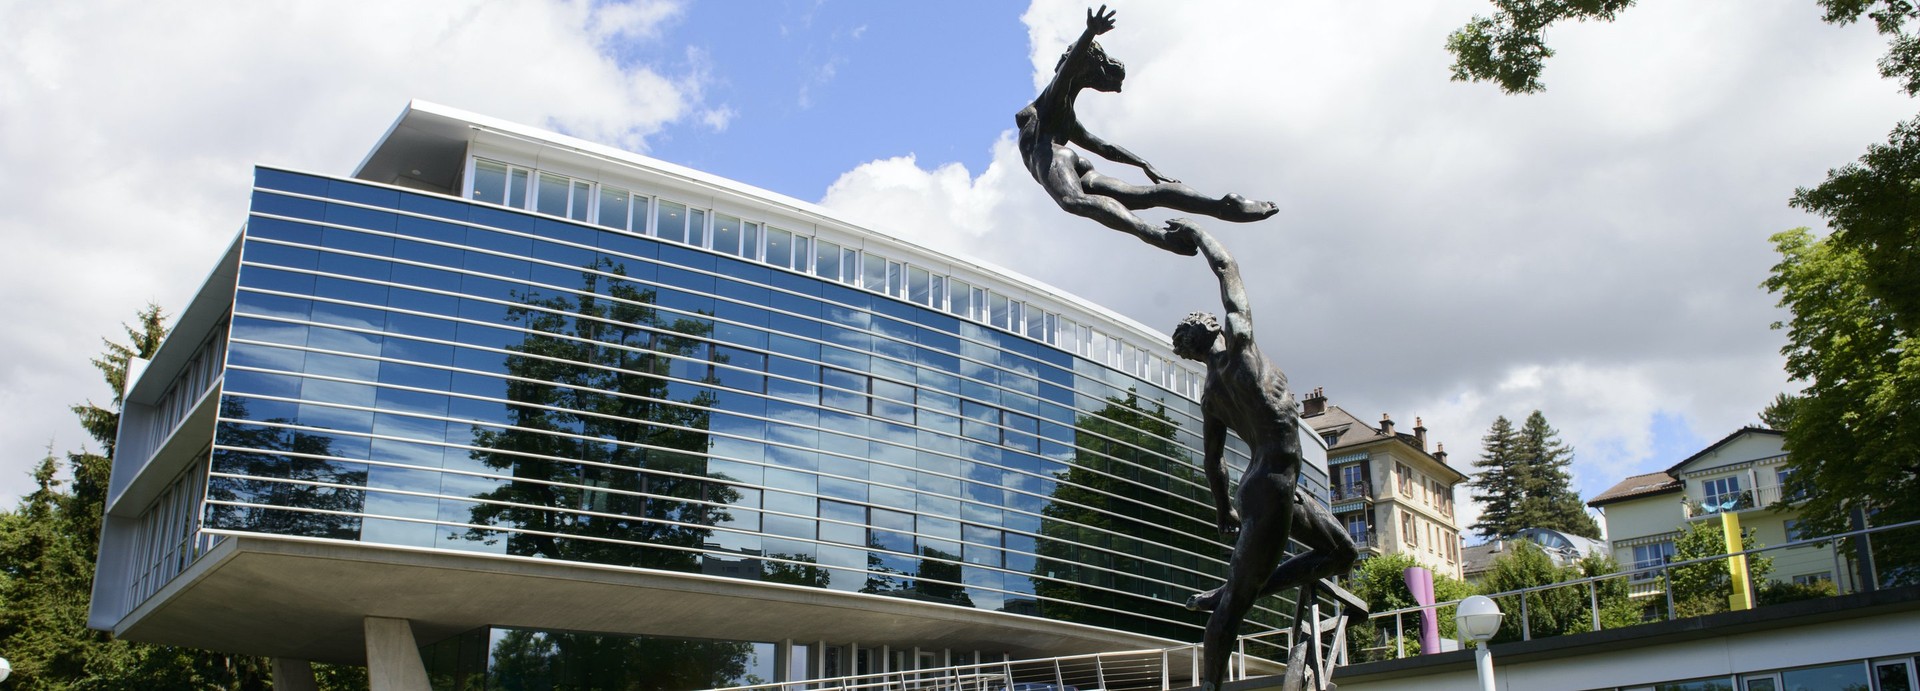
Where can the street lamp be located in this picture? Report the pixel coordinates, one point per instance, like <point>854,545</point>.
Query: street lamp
<point>1478,618</point>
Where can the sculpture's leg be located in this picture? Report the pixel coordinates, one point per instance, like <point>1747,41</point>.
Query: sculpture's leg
<point>1330,552</point>
<point>1266,503</point>
<point>1064,181</point>
<point>1179,197</point>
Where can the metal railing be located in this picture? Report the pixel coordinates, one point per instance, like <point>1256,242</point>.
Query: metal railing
<point>1663,576</point>
<point>1352,492</point>
<point>1133,670</point>
<point>1744,500</point>
<point>1136,670</point>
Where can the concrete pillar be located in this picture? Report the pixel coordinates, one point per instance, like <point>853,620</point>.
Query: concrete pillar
<point>293,675</point>
<point>393,660</point>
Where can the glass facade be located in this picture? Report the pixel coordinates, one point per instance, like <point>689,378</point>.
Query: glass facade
<point>418,370</point>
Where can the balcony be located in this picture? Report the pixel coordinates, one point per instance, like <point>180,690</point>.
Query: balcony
<point>1744,500</point>
<point>1358,491</point>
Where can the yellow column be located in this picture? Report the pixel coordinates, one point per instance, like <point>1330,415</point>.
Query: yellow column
<point>1736,565</point>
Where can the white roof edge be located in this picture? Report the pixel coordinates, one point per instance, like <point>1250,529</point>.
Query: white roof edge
<point>392,127</point>
<point>1159,340</point>
<point>192,325</point>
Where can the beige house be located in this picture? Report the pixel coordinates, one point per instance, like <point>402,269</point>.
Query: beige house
<point>1393,495</point>
<point>1746,472</point>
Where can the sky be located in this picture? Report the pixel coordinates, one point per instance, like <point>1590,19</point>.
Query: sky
<point>1442,250</point>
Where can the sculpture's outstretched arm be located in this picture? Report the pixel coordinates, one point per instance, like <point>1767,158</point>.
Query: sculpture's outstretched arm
<point>1098,22</point>
<point>1113,152</point>
<point>1238,321</point>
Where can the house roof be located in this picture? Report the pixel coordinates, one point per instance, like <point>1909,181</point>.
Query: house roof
<point>1562,547</point>
<point>1636,487</point>
<point>1349,431</point>
<point>1675,470</point>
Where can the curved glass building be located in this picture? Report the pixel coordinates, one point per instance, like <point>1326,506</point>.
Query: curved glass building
<point>537,397</point>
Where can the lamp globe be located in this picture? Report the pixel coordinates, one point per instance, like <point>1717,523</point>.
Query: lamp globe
<point>1478,618</point>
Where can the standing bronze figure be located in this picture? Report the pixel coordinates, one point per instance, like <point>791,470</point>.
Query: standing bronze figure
<point>1247,393</point>
<point>1049,124</point>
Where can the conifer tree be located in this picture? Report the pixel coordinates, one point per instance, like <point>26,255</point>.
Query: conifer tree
<point>1500,483</point>
<point>48,545</point>
<point>1548,500</point>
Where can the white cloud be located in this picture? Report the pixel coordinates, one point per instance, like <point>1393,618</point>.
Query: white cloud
<point>944,208</point>
<point>1443,250</point>
<point>132,128</point>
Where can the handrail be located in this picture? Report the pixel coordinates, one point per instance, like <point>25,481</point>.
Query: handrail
<point>1127,670</point>
<point>1663,570</point>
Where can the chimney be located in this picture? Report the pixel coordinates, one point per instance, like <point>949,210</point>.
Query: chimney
<point>1420,432</point>
<point>1440,454</point>
<point>1386,425</point>
<point>1315,404</point>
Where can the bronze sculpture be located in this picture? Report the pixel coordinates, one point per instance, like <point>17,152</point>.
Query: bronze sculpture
<point>1244,392</point>
<point>1049,124</point>
<point>1247,393</point>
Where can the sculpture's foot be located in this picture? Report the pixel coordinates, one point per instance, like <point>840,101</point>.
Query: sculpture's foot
<point>1243,210</point>
<point>1204,602</point>
<point>1181,237</point>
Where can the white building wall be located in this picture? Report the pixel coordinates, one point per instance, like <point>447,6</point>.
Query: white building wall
<point>1606,667</point>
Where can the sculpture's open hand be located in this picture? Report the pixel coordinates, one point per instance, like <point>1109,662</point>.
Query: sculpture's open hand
<point>1154,175</point>
<point>1182,237</point>
<point>1100,21</point>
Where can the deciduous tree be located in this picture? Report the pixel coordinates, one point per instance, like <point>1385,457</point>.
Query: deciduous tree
<point>1556,611</point>
<point>1854,431</point>
<point>1381,582</point>
<point>1703,588</point>
<point>1510,47</point>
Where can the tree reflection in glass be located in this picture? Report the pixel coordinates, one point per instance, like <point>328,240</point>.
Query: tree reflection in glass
<point>605,453</point>
<point>297,490</point>
<point>1127,479</point>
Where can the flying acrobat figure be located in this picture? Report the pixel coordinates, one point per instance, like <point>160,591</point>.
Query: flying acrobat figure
<point>1048,125</point>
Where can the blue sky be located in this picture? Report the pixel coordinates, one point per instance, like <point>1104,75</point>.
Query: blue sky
<point>818,88</point>
<point>1442,250</point>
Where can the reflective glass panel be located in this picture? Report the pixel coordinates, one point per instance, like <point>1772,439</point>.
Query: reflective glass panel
<point>874,273</point>
<point>670,221</point>
<point>826,260</point>
<point>553,195</point>
<point>613,207</point>
<point>490,182</point>
<point>780,248</point>
<point>726,234</point>
<point>517,188</point>
<point>582,193</point>
<point>919,285</point>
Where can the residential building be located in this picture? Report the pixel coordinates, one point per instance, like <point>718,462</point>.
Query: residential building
<point>1745,472</point>
<point>1393,495</point>
<point>505,396</point>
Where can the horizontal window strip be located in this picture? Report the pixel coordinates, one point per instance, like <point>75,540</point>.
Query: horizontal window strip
<point>1047,499</point>
<point>1186,397</point>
